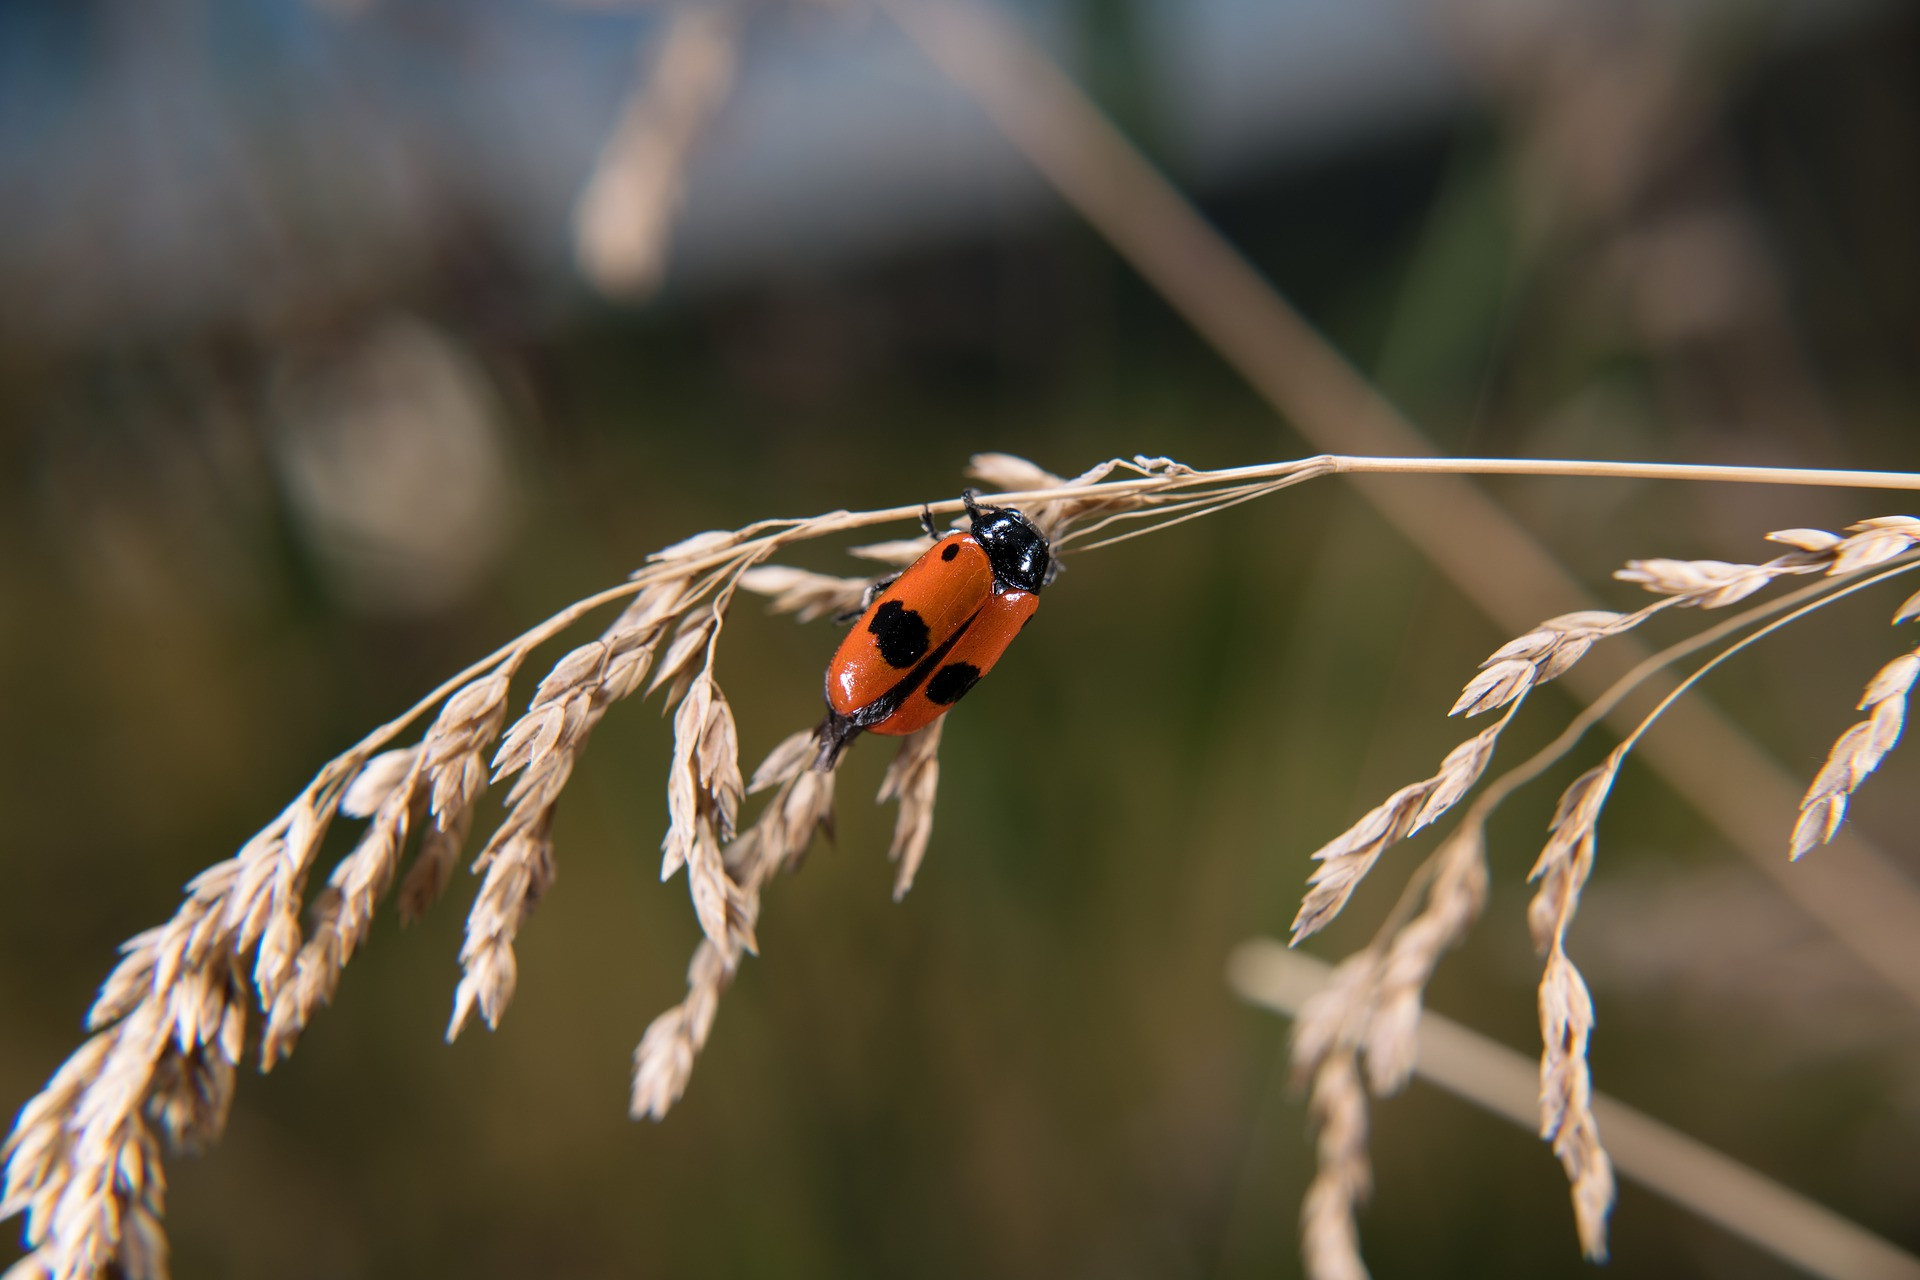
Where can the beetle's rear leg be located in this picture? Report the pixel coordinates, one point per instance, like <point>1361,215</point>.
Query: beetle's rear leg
<point>867,598</point>
<point>834,734</point>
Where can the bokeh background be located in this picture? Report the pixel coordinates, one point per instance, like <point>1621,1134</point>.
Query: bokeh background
<point>341,341</point>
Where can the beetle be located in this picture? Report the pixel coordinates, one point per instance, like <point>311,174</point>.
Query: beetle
<point>933,632</point>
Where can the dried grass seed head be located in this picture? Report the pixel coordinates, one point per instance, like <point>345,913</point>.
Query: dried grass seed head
<point>804,594</point>
<point>1343,1179</point>
<point>913,778</point>
<point>1347,858</point>
<point>1856,754</point>
<point>1566,1102</point>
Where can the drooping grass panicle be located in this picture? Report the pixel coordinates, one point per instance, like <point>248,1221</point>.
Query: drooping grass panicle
<point>83,1163</point>
<point>1548,651</point>
<point>84,1160</point>
<point>1561,871</point>
<point>801,806</point>
<point>1370,1011</point>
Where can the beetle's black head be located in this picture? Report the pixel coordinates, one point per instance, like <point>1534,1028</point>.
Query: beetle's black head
<point>1017,550</point>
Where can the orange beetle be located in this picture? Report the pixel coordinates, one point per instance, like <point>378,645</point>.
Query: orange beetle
<point>936,629</point>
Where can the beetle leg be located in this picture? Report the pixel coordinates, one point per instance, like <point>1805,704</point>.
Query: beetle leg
<point>926,522</point>
<point>867,598</point>
<point>833,735</point>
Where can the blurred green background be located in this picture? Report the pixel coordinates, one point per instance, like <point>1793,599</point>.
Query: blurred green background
<point>256,500</point>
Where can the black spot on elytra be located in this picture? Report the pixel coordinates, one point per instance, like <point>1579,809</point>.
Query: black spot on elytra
<point>953,549</point>
<point>951,682</point>
<point>900,633</point>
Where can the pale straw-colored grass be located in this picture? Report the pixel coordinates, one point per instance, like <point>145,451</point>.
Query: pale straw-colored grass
<point>623,219</point>
<point>84,1161</point>
<point>1703,1181</point>
<point>1372,1005</point>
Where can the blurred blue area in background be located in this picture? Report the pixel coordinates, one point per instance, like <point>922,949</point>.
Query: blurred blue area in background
<point>214,159</point>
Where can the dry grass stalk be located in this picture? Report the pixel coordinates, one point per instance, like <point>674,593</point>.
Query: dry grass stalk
<point>83,1161</point>
<point>1689,1174</point>
<point>1371,1010</point>
<point>1859,750</point>
<point>625,213</point>
<point>84,1158</point>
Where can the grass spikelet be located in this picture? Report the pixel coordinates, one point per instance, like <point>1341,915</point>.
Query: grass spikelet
<point>1342,1179</point>
<point>1566,1110</point>
<point>1347,858</point>
<point>454,758</point>
<point>808,595</point>
<point>1455,898</point>
<point>344,912</point>
<point>1536,657</point>
<point>1566,1009</point>
<point>1875,541</point>
<point>913,778</point>
<point>1705,584</point>
<point>897,552</point>
<point>1712,584</point>
<point>1857,753</point>
<point>1564,863</point>
<point>520,868</point>
<point>703,798</point>
<point>663,1061</point>
<point>803,805</point>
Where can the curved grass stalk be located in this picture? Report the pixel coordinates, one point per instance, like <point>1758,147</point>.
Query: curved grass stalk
<point>84,1157</point>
